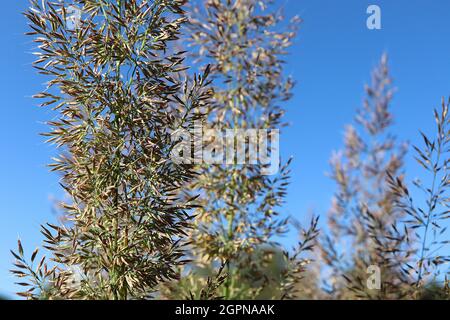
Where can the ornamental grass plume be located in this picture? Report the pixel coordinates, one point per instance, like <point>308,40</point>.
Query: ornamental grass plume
<point>115,82</point>
<point>363,205</point>
<point>140,224</point>
<point>426,272</point>
<point>239,214</point>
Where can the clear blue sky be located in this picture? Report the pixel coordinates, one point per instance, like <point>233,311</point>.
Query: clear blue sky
<point>331,61</point>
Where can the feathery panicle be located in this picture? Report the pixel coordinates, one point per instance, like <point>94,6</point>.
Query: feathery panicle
<point>239,210</point>
<point>424,216</point>
<point>362,207</point>
<point>114,79</point>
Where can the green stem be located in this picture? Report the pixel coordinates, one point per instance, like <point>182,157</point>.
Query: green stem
<point>429,215</point>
